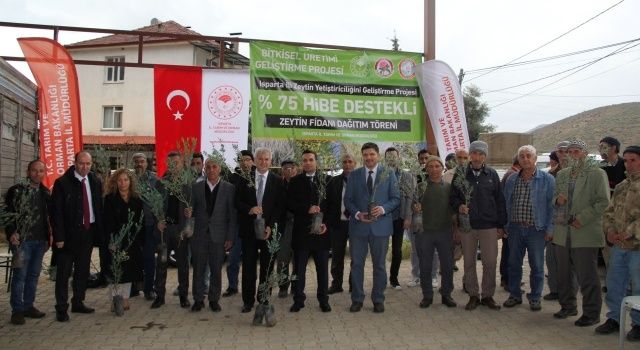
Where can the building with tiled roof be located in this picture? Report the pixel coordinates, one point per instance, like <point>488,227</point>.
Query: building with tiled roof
<point>117,102</point>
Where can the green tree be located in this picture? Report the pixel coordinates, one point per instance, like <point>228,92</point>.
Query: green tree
<point>476,112</point>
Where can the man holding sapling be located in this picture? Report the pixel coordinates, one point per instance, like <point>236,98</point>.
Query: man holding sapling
<point>401,215</point>
<point>175,210</point>
<point>27,230</point>
<point>259,201</point>
<point>477,196</point>
<point>289,170</point>
<point>147,178</point>
<point>371,196</point>
<point>306,199</point>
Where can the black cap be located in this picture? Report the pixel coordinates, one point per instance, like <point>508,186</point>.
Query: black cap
<point>553,155</point>
<point>287,162</point>
<point>449,157</point>
<point>244,152</point>
<point>612,141</point>
<point>632,149</point>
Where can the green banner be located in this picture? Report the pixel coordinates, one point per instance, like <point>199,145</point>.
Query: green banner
<point>346,95</point>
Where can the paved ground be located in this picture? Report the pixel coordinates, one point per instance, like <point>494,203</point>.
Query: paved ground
<point>402,326</point>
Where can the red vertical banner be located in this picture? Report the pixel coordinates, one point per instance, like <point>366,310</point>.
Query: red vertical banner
<point>58,104</point>
<point>177,101</point>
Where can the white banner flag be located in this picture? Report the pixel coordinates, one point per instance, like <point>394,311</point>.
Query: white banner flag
<point>443,99</point>
<point>225,111</point>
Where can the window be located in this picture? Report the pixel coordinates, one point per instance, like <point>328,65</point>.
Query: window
<point>114,74</point>
<point>28,138</point>
<point>112,117</point>
<point>8,131</point>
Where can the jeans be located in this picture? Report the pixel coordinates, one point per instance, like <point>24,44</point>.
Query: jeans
<point>624,266</point>
<point>25,279</point>
<point>527,239</point>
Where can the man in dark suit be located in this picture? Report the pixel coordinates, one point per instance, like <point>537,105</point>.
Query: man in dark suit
<point>338,222</point>
<point>258,194</point>
<point>304,200</point>
<point>76,218</point>
<point>372,195</point>
<point>214,231</point>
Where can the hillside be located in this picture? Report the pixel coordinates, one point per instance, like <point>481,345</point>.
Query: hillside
<point>621,121</point>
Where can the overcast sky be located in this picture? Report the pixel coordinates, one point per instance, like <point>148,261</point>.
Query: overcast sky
<point>470,34</point>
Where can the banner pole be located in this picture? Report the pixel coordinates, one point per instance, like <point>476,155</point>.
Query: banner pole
<point>430,54</point>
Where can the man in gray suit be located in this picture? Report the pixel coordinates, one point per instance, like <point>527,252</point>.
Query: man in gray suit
<point>371,224</point>
<point>214,229</point>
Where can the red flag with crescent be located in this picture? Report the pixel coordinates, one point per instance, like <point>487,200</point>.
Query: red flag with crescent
<point>178,100</point>
<point>58,104</point>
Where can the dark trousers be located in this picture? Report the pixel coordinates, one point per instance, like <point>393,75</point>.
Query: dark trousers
<point>396,250</point>
<point>181,248</point>
<point>206,253</point>
<point>426,245</point>
<point>78,260</point>
<point>285,253</point>
<point>339,238</point>
<point>504,262</point>
<point>252,251</point>
<point>233,264</point>
<point>148,256</point>
<point>321,260</point>
<point>585,263</point>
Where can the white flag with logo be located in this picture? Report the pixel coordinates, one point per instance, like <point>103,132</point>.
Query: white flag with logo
<point>444,102</point>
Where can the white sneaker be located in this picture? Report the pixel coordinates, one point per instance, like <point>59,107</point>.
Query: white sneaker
<point>434,282</point>
<point>414,283</point>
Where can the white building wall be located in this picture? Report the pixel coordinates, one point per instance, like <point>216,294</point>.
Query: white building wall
<point>135,93</point>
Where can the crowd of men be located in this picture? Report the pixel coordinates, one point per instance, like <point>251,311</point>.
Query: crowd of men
<point>459,207</point>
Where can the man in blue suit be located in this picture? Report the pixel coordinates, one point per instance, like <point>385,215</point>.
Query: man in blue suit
<point>372,194</point>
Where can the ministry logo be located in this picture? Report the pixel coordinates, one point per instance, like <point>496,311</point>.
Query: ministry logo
<point>407,68</point>
<point>225,102</point>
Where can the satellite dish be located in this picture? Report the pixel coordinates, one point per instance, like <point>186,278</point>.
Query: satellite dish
<point>155,21</point>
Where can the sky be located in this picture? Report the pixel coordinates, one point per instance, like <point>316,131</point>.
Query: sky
<point>470,35</point>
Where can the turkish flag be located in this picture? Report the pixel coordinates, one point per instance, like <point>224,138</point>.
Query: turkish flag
<point>178,97</point>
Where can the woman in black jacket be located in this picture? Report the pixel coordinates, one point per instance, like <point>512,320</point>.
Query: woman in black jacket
<point>120,199</point>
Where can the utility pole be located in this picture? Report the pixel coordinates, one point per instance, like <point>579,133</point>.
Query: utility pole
<point>461,76</point>
<point>430,54</point>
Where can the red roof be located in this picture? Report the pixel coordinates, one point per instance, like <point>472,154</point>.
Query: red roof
<point>118,140</point>
<point>125,39</point>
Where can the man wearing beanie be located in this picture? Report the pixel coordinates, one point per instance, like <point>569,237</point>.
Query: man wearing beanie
<point>487,214</point>
<point>437,234</point>
<point>583,193</point>
<point>623,231</point>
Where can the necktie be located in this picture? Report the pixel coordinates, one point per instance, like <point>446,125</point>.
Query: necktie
<point>86,215</point>
<point>370,182</point>
<point>260,189</point>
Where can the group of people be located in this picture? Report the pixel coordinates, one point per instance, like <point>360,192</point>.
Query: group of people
<point>452,208</point>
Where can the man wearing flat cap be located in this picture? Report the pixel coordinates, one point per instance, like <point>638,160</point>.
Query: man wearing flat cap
<point>487,215</point>
<point>622,227</point>
<point>582,191</point>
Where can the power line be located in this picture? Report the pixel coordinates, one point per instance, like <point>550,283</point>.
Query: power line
<point>570,96</point>
<point>595,75</point>
<point>626,47</point>
<point>550,41</point>
<point>543,59</point>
